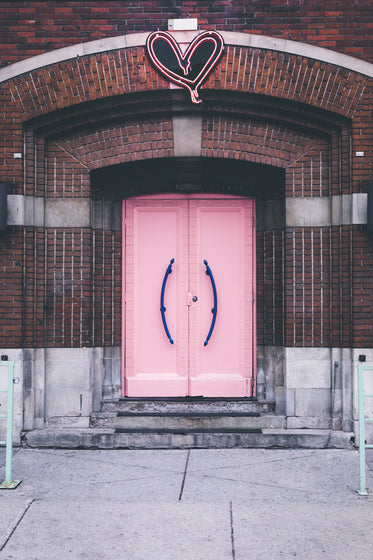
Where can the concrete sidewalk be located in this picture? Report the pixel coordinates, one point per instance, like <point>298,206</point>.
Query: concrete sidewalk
<point>236,504</point>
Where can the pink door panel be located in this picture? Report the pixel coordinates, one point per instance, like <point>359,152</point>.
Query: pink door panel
<point>221,233</point>
<point>155,233</point>
<point>188,230</point>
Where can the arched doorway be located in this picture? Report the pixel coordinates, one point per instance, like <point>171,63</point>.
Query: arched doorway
<point>207,211</point>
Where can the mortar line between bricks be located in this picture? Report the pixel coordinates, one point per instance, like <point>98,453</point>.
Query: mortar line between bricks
<point>232,530</point>
<point>17,523</point>
<point>184,476</point>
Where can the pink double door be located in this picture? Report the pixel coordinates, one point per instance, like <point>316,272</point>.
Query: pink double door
<point>188,301</point>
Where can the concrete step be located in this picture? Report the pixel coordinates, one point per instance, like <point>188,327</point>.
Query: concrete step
<point>188,405</point>
<point>186,421</point>
<point>105,438</point>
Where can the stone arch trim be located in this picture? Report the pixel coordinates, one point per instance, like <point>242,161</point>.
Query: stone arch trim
<point>285,46</point>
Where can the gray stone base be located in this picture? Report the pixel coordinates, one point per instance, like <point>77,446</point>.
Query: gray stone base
<point>59,386</point>
<point>318,387</point>
<point>62,388</point>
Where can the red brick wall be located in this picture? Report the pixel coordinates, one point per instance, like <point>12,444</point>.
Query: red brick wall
<point>107,286</point>
<point>270,296</point>
<point>66,176</point>
<point>34,319</point>
<point>362,256</point>
<point>11,138</point>
<point>72,283</point>
<point>113,144</point>
<point>11,288</point>
<point>30,28</point>
<point>68,287</point>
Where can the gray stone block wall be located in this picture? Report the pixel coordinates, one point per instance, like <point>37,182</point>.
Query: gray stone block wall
<point>270,376</point>
<point>112,384</point>
<point>318,386</point>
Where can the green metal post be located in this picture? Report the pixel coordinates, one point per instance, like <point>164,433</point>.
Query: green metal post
<point>9,425</point>
<point>362,489</point>
<point>8,482</point>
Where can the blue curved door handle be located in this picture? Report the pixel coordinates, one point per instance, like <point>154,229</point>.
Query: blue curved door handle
<point>214,310</point>
<point>163,309</point>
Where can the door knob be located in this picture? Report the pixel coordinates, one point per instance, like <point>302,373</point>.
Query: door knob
<point>191,299</point>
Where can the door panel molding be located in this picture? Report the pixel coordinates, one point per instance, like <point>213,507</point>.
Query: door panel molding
<point>189,230</point>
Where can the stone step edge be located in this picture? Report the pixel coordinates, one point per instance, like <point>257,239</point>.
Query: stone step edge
<point>198,399</point>
<point>96,438</point>
<point>187,407</point>
<point>185,421</point>
<point>182,415</point>
<point>183,431</point>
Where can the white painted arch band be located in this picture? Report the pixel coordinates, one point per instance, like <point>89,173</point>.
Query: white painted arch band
<point>230,38</point>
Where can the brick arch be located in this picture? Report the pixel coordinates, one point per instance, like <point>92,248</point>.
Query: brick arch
<point>253,68</point>
<point>69,159</point>
<point>281,69</point>
<point>242,69</point>
<point>121,143</point>
<point>258,141</point>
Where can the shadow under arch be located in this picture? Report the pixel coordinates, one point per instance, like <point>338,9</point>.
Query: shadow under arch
<point>188,175</point>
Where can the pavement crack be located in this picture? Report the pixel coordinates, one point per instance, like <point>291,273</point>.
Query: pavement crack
<point>249,464</point>
<point>232,530</point>
<point>184,476</point>
<point>16,524</point>
<point>255,483</point>
<point>115,463</point>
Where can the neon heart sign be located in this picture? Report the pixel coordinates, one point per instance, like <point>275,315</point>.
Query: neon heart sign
<point>188,69</point>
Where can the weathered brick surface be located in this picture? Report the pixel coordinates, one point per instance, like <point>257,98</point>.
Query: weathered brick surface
<point>11,288</point>
<point>34,320</point>
<point>362,296</point>
<point>308,287</point>
<point>84,79</point>
<point>89,78</point>
<point>116,144</point>
<point>107,285</point>
<point>308,171</point>
<point>270,295</point>
<point>68,287</point>
<point>34,27</point>
<point>66,176</point>
<point>11,140</point>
